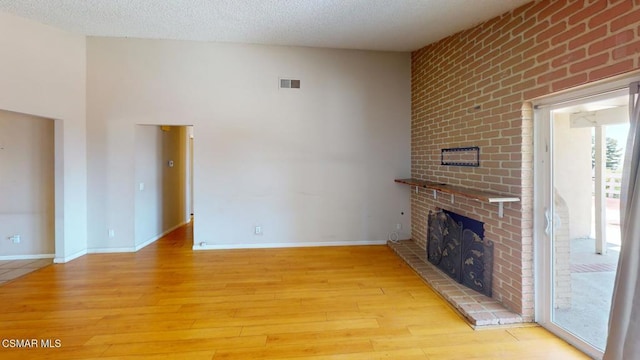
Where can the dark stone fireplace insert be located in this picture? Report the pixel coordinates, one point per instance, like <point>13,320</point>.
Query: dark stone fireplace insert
<point>456,245</point>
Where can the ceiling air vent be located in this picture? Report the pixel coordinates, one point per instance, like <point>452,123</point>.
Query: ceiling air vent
<point>289,84</point>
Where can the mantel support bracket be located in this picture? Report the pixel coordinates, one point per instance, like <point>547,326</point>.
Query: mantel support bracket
<point>466,193</point>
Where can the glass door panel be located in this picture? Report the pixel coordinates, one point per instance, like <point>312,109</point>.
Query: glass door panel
<point>584,141</point>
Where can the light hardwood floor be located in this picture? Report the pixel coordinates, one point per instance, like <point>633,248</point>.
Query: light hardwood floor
<point>167,301</point>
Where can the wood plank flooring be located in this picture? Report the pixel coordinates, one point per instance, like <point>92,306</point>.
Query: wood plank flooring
<point>167,302</point>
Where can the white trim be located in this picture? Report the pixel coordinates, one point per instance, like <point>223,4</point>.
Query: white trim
<point>62,260</point>
<point>135,248</point>
<point>146,243</point>
<point>541,262</point>
<point>156,238</point>
<point>543,197</point>
<point>286,245</point>
<point>26,257</point>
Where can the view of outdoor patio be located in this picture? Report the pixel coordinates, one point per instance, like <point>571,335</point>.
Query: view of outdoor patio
<point>592,278</point>
<point>586,226</point>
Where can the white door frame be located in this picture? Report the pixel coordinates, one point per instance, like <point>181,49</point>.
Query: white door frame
<point>543,200</point>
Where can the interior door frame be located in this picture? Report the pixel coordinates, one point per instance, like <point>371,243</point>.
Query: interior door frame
<point>543,199</point>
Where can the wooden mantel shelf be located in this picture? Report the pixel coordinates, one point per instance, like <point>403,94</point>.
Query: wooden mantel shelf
<point>460,191</point>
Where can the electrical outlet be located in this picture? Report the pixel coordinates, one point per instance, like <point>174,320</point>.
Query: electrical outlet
<point>15,239</point>
<point>258,230</point>
<point>112,233</point>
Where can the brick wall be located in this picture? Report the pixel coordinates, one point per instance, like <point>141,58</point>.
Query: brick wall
<point>473,88</point>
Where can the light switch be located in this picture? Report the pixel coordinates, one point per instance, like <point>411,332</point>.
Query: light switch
<point>141,186</point>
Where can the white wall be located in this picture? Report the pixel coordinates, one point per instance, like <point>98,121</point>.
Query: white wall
<point>43,73</point>
<point>148,168</point>
<point>311,166</point>
<point>572,173</point>
<point>26,185</point>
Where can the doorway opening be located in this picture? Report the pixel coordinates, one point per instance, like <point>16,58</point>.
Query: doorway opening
<point>163,181</point>
<point>27,187</point>
<point>579,149</point>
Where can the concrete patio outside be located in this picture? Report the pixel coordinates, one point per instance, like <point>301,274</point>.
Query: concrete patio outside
<point>592,279</point>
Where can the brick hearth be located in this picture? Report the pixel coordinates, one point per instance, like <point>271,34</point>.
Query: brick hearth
<point>478,309</point>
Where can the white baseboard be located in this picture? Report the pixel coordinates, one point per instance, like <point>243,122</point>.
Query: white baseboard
<point>135,248</point>
<point>148,242</point>
<point>156,238</point>
<point>62,260</point>
<point>286,245</point>
<point>27,257</point>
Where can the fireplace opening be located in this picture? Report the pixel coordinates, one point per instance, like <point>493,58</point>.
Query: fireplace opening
<point>456,245</point>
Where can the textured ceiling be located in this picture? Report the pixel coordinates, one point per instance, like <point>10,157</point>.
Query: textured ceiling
<point>395,25</point>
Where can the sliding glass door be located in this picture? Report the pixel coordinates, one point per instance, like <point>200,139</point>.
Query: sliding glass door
<point>579,157</point>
